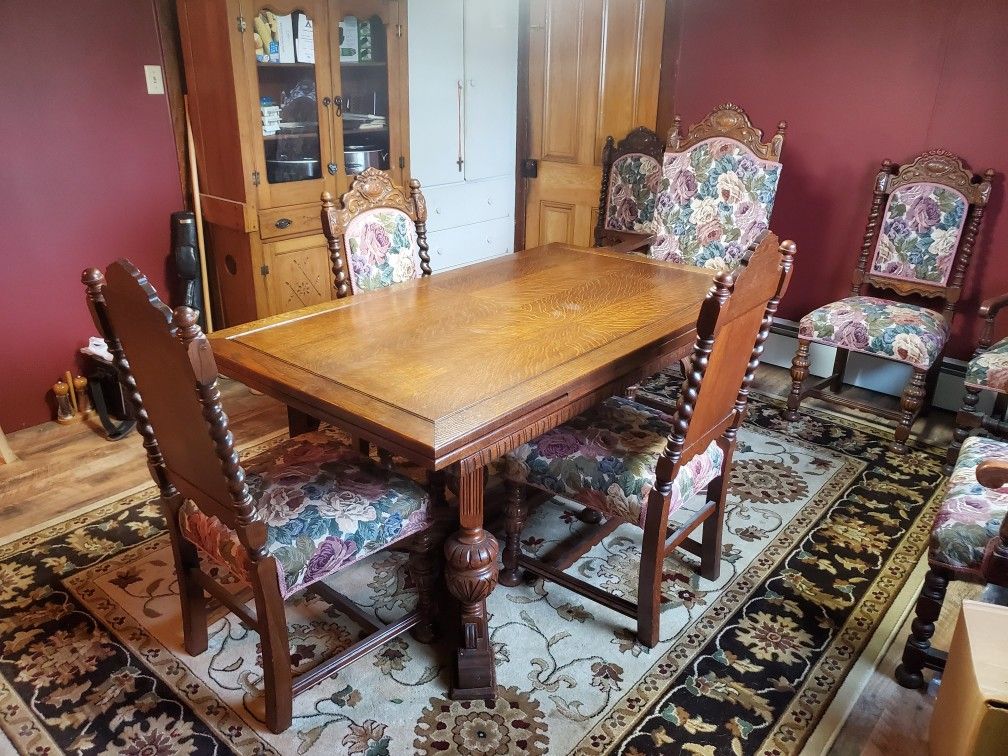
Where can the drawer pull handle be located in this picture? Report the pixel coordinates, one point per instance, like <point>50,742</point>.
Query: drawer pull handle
<point>283,222</point>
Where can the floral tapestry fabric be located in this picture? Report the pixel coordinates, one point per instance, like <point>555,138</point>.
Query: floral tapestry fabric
<point>903,332</point>
<point>990,369</point>
<point>713,202</point>
<point>381,249</point>
<point>633,188</point>
<point>920,233</point>
<point>606,459</point>
<point>325,507</point>
<point>970,514</point>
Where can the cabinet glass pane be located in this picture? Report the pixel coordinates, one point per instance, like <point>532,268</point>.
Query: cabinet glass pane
<point>364,75</point>
<point>285,64</point>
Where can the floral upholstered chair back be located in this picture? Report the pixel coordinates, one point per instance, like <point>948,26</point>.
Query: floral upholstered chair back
<point>716,191</point>
<point>631,173</point>
<point>924,217</point>
<point>381,230</point>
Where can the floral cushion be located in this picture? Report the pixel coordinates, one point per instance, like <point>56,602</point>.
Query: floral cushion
<point>714,201</point>
<point>606,459</point>
<point>903,332</point>
<point>920,233</point>
<point>633,187</point>
<point>325,507</point>
<point>382,249</point>
<point>661,387</point>
<point>990,369</point>
<point>970,515</point>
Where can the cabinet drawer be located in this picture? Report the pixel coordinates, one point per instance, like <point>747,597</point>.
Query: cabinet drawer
<point>454,247</point>
<point>464,203</point>
<point>290,221</point>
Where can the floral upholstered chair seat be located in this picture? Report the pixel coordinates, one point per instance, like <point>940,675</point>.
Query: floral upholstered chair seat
<point>324,505</point>
<point>989,370</point>
<point>382,249</point>
<point>714,201</point>
<point>606,459</point>
<point>633,189</point>
<point>970,515</point>
<point>877,326</point>
<point>662,387</point>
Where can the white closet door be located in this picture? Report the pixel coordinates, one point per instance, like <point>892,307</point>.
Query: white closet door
<point>491,87</point>
<point>435,73</point>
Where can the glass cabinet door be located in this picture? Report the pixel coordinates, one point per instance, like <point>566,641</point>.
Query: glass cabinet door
<point>293,105</point>
<point>368,59</point>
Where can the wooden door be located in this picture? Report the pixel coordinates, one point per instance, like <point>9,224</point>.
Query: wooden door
<point>593,71</point>
<point>299,273</point>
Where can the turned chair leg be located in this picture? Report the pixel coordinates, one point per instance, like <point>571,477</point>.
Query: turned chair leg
<point>515,512</point>
<point>191,594</point>
<point>966,420</point>
<point>713,527</point>
<point>274,641</point>
<point>910,404</point>
<point>918,645</point>
<point>424,567</point>
<point>799,371</point>
<point>931,386</point>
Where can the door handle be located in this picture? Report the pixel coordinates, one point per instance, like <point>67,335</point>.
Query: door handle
<point>283,222</point>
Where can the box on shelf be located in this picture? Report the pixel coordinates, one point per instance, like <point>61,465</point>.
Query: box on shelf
<point>348,45</point>
<point>971,713</point>
<point>285,34</point>
<point>365,31</point>
<point>304,38</point>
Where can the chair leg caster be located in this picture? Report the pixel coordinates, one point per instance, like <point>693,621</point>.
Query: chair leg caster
<point>907,679</point>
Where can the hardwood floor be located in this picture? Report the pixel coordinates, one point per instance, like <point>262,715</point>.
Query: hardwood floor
<point>66,468</point>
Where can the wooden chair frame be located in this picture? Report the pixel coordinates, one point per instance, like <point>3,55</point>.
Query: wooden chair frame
<point>918,654</point>
<point>937,167</point>
<point>731,122</point>
<point>236,509</point>
<point>370,190</point>
<point>641,140</point>
<point>733,305</point>
<point>968,417</point>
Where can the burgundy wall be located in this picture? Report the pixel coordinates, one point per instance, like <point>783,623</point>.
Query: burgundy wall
<point>88,174</point>
<point>857,81</point>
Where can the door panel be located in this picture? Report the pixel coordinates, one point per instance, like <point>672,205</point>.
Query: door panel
<point>299,273</point>
<point>593,71</point>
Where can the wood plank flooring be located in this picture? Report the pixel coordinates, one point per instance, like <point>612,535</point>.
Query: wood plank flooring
<point>66,468</point>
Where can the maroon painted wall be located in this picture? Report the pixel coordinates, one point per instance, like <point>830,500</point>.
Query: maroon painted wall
<point>858,81</point>
<point>88,173</point>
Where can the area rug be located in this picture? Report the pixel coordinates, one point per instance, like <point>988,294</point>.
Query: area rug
<point>823,527</point>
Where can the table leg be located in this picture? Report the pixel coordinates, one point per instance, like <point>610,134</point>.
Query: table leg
<point>471,574</point>
<point>299,422</point>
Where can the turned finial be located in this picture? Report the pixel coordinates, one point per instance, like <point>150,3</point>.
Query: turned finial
<point>92,278</point>
<point>781,127</point>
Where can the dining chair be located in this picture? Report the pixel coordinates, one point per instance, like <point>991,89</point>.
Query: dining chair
<point>969,542</point>
<point>918,243</point>
<point>380,229</point>
<point>631,173</point>
<point>715,197</point>
<point>640,465</point>
<point>987,371</point>
<point>281,522</point>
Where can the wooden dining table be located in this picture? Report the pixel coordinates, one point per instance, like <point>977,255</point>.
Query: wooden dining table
<point>454,370</point>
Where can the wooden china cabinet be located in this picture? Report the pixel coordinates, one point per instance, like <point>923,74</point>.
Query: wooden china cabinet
<point>276,123</point>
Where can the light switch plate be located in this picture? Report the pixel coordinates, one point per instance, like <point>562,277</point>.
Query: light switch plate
<point>155,80</point>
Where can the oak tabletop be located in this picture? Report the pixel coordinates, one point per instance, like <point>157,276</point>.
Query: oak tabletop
<point>432,366</point>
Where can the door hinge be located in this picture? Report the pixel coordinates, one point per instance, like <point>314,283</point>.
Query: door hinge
<point>402,162</point>
<point>242,26</point>
<point>398,30</point>
<point>264,270</point>
<point>255,178</point>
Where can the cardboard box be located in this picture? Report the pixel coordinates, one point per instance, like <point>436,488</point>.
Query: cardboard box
<point>348,40</point>
<point>285,33</point>
<point>304,38</point>
<point>971,713</point>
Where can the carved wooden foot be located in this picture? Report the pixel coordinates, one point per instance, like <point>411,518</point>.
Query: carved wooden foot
<point>910,402</point>
<point>917,651</point>
<point>966,420</point>
<point>515,511</point>
<point>471,575</point>
<point>799,370</point>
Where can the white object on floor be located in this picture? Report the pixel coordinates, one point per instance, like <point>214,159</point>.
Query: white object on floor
<point>97,348</point>
<point>6,453</point>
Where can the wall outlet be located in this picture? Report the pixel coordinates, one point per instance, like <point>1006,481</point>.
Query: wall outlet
<point>155,80</point>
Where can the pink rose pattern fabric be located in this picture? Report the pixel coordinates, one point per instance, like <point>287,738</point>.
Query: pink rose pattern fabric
<point>903,332</point>
<point>920,233</point>
<point>633,188</point>
<point>990,369</point>
<point>606,459</point>
<point>382,249</point>
<point>714,201</point>
<point>325,507</point>
<point>970,515</point>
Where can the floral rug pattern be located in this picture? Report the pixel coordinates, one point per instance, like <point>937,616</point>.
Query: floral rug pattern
<point>823,527</point>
